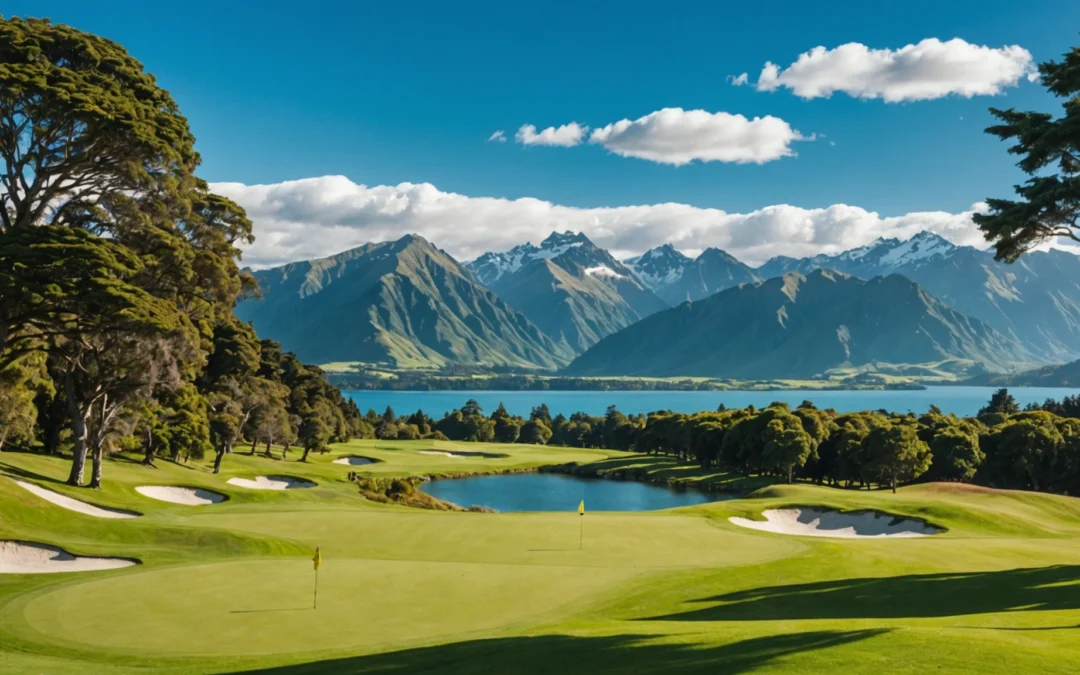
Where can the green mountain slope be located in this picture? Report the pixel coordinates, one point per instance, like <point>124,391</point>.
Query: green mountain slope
<point>402,303</point>
<point>799,326</point>
<point>1035,300</point>
<point>1064,375</point>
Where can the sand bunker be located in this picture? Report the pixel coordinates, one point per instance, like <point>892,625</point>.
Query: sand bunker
<point>271,483</point>
<point>75,504</point>
<point>355,460</point>
<point>823,523</point>
<point>181,495</point>
<point>462,455</point>
<point>25,557</point>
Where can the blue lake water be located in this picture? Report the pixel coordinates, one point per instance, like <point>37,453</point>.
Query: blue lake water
<point>557,492</point>
<point>962,401</point>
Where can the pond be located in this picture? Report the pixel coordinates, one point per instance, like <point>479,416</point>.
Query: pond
<point>558,492</point>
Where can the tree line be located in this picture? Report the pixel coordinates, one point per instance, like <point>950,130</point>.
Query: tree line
<point>1002,446</point>
<point>118,274</point>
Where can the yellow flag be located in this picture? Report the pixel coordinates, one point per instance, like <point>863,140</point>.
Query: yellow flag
<point>581,508</point>
<point>318,558</point>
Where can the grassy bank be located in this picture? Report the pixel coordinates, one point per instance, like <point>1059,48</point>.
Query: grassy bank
<point>228,587</point>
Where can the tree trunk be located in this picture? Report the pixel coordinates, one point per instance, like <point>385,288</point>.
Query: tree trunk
<point>78,434</point>
<point>268,448</point>
<point>306,451</point>
<point>95,478</point>
<point>151,451</point>
<point>218,456</point>
<point>254,441</point>
<point>894,484</point>
<point>790,470</point>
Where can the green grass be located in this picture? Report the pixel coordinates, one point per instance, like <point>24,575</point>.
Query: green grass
<point>227,588</point>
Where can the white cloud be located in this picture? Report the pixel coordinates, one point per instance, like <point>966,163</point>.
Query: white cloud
<point>676,136</point>
<point>927,70</point>
<point>566,136</point>
<point>738,80</point>
<point>315,217</point>
<point>497,137</point>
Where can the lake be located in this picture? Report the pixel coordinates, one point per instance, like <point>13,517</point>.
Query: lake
<point>963,401</point>
<point>558,492</point>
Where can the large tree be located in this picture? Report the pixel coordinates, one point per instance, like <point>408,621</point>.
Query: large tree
<point>83,129</point>
<point>894,453</point>
<point>1048,203</point>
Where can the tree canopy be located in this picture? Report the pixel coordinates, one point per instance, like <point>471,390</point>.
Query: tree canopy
<point>1048,203</point>
<point>118,272</point>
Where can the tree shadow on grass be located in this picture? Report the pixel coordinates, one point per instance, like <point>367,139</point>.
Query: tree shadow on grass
<point>18,472</point>
<point>617,654</point>
<point>911,596</point>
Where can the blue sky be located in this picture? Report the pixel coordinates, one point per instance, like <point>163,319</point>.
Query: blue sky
<point>386,93</point>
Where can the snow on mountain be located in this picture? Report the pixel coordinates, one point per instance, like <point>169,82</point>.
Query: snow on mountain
<point>659,266</point>
<point>490,267</point>
<point>881,256</point>
<point>922,247</point>
<point>603,271</point>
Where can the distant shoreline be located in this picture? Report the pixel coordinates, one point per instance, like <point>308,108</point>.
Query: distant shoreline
<point>349,381</point>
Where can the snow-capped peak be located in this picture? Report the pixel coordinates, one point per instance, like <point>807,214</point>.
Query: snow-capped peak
<point>564,240</point>
<point>658,266</point>
<point>491,266</point>
<point>922,247</point>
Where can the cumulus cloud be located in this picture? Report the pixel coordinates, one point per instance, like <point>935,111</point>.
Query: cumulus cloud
<point>928,70</point>
<point>676,136</point>
<point>316,217</point>
<point>497,137</point>
<point>738,80</point>
<point>566,136</point>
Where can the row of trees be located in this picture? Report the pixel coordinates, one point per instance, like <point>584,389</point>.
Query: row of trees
<point>118,273</point>
<point>1001,447</point>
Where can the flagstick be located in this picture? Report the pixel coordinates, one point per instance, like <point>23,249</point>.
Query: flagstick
<point>581,530</point>
<point>315,599</point>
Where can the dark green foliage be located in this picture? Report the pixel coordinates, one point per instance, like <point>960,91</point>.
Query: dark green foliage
<point>1030,450</point>
<point>118,269</point>
<point>1048,204</point>
<point>1001,402</point>
<point>895,453</point>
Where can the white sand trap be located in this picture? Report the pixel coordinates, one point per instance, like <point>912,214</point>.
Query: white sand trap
<point>24,557</point>
<point>463,455</point>
<point>271,483</point>
<point>76,505</point>
<point>824,523</point>
<point>354,460</point>
<point>181,495</point>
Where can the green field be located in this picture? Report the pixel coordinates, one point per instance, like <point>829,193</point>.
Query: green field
<point>227,587</point>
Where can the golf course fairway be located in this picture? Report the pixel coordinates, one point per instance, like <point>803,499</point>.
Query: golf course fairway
<point>229,587</point>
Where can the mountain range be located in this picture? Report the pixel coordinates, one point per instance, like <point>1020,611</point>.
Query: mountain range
<point>798,326</point>
<point>408,304</point>
<point>574,291</point>
<point>1035,300</point>
<point>676,278</point>
<point>404,303</point>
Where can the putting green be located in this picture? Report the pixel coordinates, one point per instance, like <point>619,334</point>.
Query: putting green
<point>240,607</point>
<point>613,541</point>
